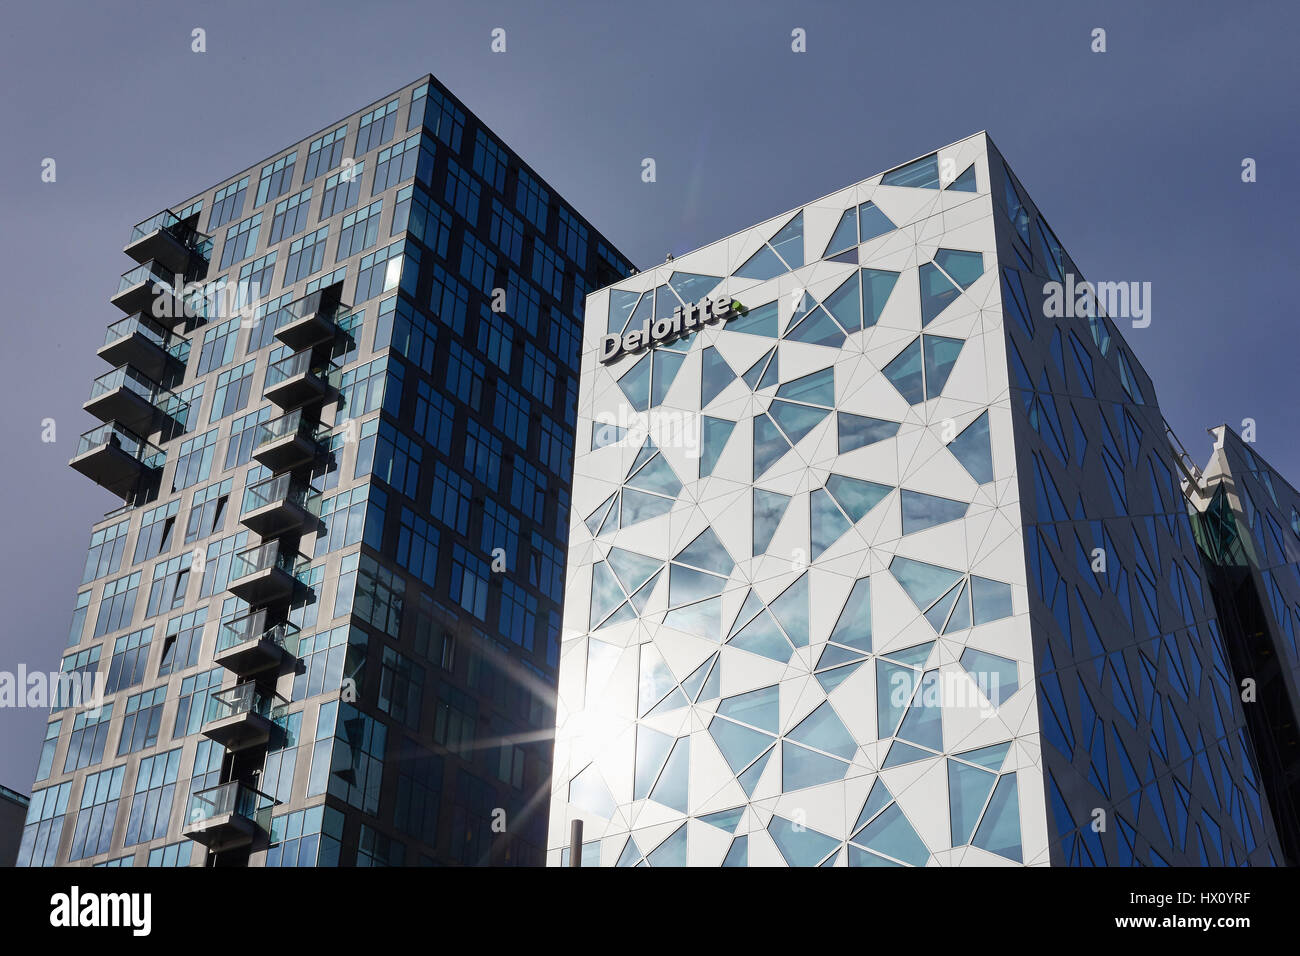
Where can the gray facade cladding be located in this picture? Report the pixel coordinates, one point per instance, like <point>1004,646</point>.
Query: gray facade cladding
<point>324,622</point>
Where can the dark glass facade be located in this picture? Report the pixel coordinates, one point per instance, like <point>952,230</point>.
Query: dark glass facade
<point>325,620</point>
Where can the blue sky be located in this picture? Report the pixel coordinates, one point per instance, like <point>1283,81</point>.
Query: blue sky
<point>1134,156</point>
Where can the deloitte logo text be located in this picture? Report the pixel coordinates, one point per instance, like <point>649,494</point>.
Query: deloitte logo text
<point>684,320</point>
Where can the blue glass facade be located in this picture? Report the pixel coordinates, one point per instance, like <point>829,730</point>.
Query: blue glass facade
<point>1147,756</point>
<point>328,611</point>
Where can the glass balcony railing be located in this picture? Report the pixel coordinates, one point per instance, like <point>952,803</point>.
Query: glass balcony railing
<point>150,273</point>
<point>319,301</point>
<point>295,365</point>
<point>183,232</point>
<point>252,628</point>
<point>233,797</point>
<point>139,324</point>
<point>124,376</point>
<point>266,557</point>
<point>280,489</point>
<point>291,424</point>
<point>242,699</point>
<point>166,221</point>
<point>113,434</point>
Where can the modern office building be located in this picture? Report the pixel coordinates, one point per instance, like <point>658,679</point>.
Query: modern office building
<point>13,814</point>
<point>879,557</point>
<point>1247,520</point>
<point>338,423</point>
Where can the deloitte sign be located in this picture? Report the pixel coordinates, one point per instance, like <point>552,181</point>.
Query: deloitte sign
<point>684,320</point>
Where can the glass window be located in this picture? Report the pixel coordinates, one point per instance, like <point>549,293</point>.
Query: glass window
<point>142,720</point>
<point>511,413</point>
<point>389,455</point>
<point>216,564</point>
<point>190,707</point>
<point>341,191</point>
<point>105,553</point>
<point>376,127</point>
<point>79,610</point>
<point>243,432</point>
<point>48,746</point>
<point>426,220</point>
<point>439,115</point>
<point>435,416</point>
<point>490,160</point>
<point>151,802</point>
<point>156,528</point>
<point>97,814</point>
<point>495,338</point>
<point>306,255</point>
<point>130,655</point>
<point>44,826</point>
<point>383,270</point>
<point>397,163</point>
<point>241,241</point>
<point>528,489</point>
<point>548,269</point>
<point>173,854</point>
<point>506,231</point>
<point>483,451</point>
<point>448,299</point>
<point>227,203</point>
<point>207,511</point>
<point>324,153</point>
<point>478,264</point>
<point>181,641</point>
<point>469,581</point>
<point>234,385</point>
<point>532,199</point>
<point>276,178</point>
<point>194,460</point>
<point>344,516</point>
<point>452,493</point>
<point>117,604</point>
<point>254,282</point>
<point>290,216</point>
<point>86,742</point>
<point>401,688</point>
<point>500,533</point>
<point>922,173</point>
<point>360,230</point>
<point>77,673</point>
<point>218,347</point>
<point>572,236</point>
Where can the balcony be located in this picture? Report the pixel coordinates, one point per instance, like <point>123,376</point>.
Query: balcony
<point>277,505</point>
<point>242,716</point>
<point>167,240</point>
<point>228,816</point>
<point>247,645</point>
<point>288,442</point>
<point>126,396</point>
<point>310,320</point>
<point>266,573</point>
<point>150,289</point>
<point>116,458</point>
<point>294,381</point>
<point>141,342</point>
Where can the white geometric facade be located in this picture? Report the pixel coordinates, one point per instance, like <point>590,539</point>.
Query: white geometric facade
<point>797,626</point>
